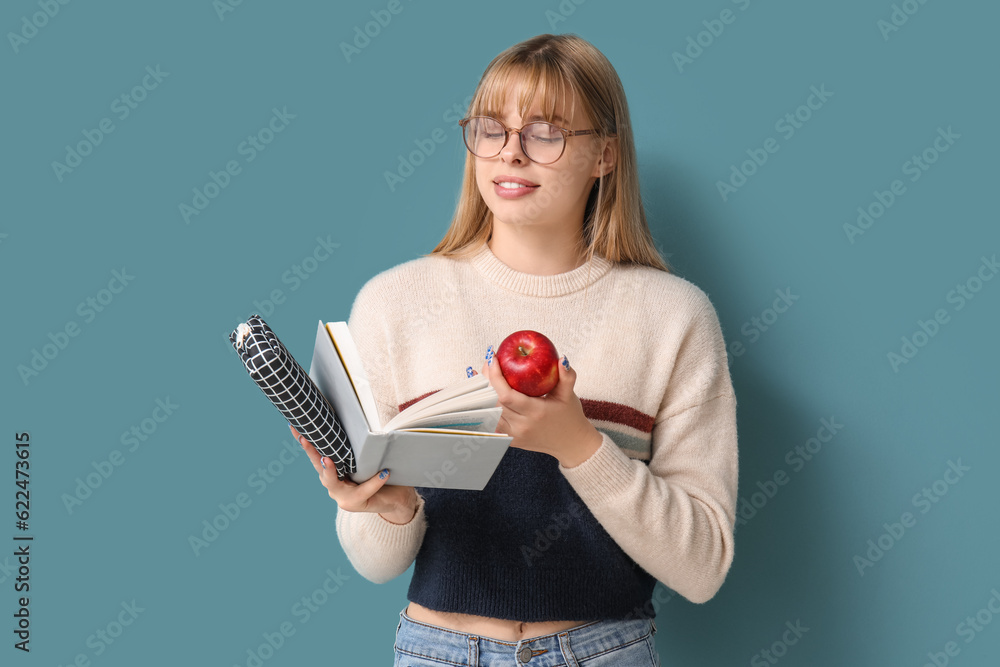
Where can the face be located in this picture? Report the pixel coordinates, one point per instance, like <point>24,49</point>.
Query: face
<point>558,192</point>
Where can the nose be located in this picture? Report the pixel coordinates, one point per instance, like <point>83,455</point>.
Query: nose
<point>513,150</point>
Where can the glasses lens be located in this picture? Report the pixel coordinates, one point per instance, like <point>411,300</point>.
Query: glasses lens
<point>484,136</point>
<point>543,142</point>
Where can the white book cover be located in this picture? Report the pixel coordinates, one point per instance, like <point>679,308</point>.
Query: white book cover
<point>446,440</point>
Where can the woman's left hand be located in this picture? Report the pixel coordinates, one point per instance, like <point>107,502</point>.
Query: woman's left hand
<point>553,424</point>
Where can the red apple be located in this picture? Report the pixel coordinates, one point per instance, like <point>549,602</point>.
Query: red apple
<point>529,362</point>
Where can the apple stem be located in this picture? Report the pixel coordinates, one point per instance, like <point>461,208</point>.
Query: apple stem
<point>522,351</point>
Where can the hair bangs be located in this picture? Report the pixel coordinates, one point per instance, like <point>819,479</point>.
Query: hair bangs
<point>543,87</point>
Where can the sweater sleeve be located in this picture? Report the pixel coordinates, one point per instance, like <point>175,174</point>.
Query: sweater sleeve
<point>676,516</point>
<point>378,549</point>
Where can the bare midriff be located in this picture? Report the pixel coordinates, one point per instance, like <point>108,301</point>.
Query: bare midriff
<point>484,626</point>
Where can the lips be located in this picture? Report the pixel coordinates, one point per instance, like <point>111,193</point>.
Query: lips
<point>511,181</point>
<point>507,190</point>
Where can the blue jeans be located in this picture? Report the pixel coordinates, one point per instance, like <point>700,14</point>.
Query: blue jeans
<point>627,643</point>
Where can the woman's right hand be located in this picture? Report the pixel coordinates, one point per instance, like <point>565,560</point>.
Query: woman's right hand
<point>396,504</point>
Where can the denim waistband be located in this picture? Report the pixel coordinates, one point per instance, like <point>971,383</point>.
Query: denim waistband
<point>564,647</point>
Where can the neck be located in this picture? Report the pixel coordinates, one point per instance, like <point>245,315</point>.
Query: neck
<point>541,252</point>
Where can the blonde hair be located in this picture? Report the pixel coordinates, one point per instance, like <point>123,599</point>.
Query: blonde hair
<point>614,224</point>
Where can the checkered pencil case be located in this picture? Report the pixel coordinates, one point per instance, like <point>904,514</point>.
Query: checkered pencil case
<point>292,391</point>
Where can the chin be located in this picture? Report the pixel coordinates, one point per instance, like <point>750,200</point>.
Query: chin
<point>509,216</point>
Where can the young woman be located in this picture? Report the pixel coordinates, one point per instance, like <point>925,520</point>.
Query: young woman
<point>626,472</point>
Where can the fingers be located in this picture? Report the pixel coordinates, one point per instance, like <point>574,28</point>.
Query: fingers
<point>567,380</point>
<point>370,487</point>
<point>310,449</point>
<point>507,397</point>
<point>357,497</point>
<point>497,380</point>
<point>321,463</point>
<point>349,495</point>
<point>503,426</point>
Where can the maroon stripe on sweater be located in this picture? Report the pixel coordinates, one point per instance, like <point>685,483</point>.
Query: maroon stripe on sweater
<point>618,413</point>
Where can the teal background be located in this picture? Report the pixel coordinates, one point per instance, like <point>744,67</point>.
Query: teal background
<point>164,335</point>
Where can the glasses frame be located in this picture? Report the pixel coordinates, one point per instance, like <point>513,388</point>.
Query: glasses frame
<point>520,136</point>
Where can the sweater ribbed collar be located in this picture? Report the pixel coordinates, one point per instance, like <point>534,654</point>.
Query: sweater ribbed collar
<point>533,285</point>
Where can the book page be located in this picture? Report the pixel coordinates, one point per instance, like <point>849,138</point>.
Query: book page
<point>348,351</point>
<point>452,431</point>
<point>476,400</point>
<point>467,394</point>
<point>460,388</point>
<point>483,420</point>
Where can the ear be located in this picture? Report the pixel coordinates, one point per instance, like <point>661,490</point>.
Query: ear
<point>608,159</point>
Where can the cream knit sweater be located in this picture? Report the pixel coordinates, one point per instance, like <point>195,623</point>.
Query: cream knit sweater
<point>652,375</point>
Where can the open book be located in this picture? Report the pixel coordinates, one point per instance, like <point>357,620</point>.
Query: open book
<point>445,440</point>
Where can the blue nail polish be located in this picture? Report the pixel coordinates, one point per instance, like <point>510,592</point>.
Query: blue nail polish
<point>469,372</point>
<point>322,462</point>
<point>489,355</point>
<point>565,362</point>
<point>384,472</point>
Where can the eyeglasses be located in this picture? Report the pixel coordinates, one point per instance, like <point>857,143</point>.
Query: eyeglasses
<point>542,142</point>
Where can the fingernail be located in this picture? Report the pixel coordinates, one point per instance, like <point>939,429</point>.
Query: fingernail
<point>469,372</point>
<point>489,355</point>
<point>565,362</point>
<point>383,474</point>
<point>323,462</point>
